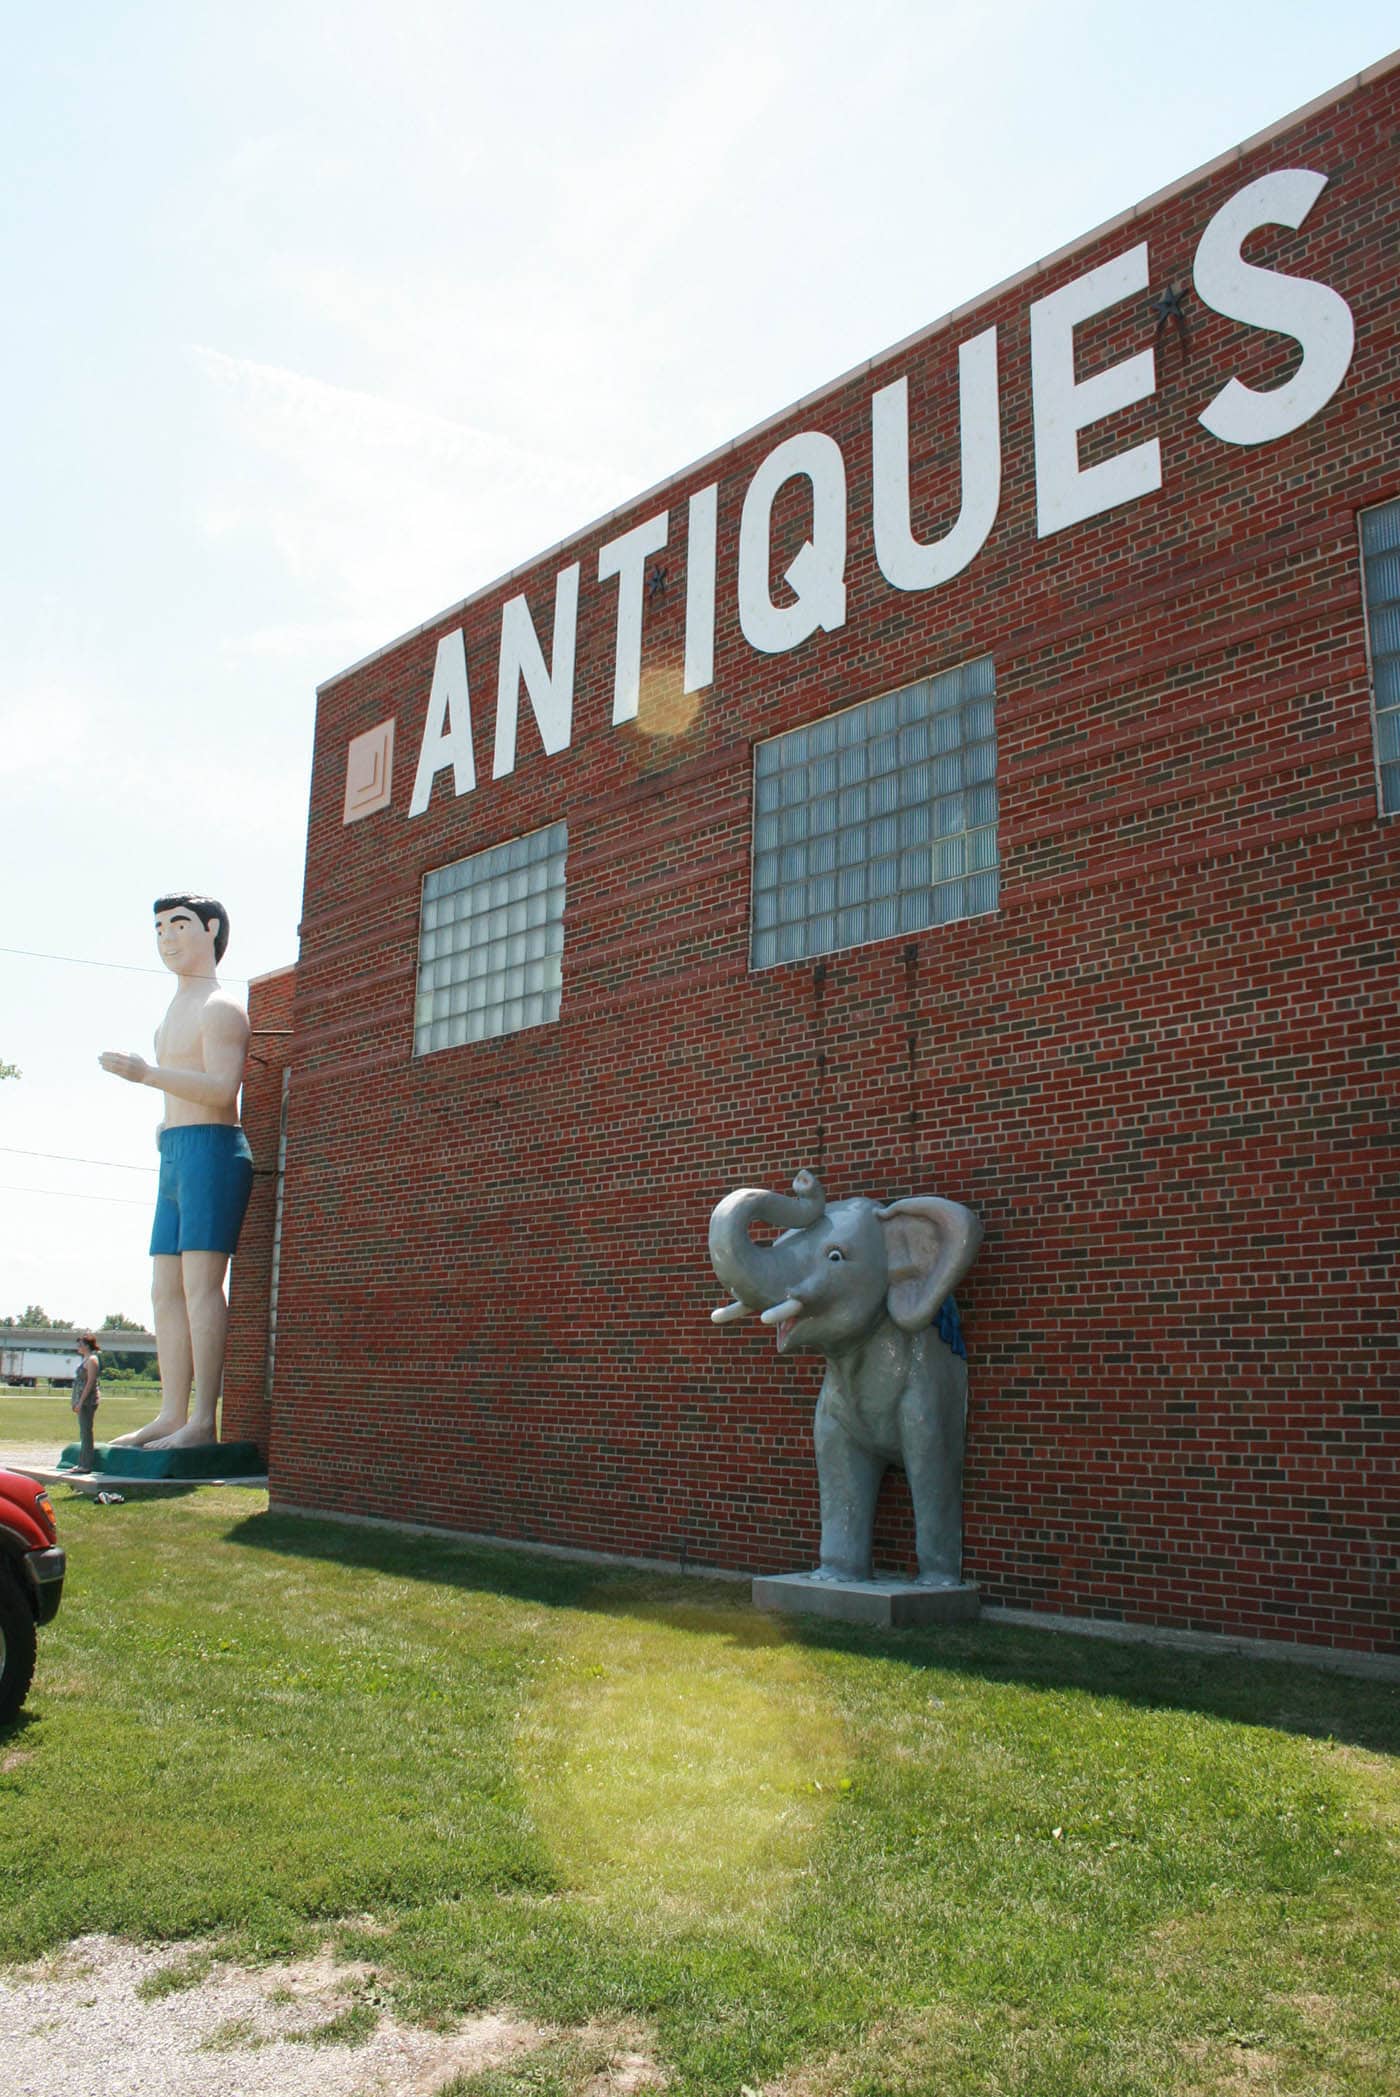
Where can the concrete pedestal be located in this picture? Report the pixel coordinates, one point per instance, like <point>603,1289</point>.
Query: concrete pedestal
<point>888,1604</point>
<point>207,1460</point>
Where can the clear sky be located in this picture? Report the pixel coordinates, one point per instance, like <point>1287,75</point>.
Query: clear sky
<point>320,317</point>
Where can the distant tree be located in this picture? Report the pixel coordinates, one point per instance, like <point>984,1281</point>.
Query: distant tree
<point>10,1070</point>
<point>35,1316</point>
<point>122,1365</point>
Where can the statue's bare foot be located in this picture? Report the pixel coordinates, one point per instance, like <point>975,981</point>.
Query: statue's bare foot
<point>938,1580</point>
<point>193,1435</point>
<point>145,1437</point>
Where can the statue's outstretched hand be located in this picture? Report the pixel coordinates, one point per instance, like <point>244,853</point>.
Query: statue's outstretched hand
<point>134,1068</point>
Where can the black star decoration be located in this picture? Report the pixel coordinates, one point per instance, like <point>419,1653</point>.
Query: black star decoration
<point>1170,305</point>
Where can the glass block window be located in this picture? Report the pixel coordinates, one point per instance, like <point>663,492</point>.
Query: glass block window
<point>878,820</point>
<point>1380,570</point>
<point>491,941</point>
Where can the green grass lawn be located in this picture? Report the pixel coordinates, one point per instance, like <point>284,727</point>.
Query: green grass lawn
<point>28,1418</point>
<point>983,1861</point>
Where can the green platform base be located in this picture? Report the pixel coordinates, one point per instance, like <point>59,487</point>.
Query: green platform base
<point>212,1460</point>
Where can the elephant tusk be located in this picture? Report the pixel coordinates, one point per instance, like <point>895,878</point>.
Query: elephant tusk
<point>791,1308</point>
<point>727,1312</point>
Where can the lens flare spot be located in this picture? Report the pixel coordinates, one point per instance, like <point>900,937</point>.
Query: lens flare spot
<point>682,1762</point>
<point>664,708</point>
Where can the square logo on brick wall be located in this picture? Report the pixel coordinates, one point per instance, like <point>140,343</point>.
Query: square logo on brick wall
<point>369,772</point>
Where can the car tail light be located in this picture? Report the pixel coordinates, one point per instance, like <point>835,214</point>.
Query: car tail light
<point>43,1506</point>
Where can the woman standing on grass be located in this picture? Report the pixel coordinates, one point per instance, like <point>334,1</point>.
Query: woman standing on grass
<point>85,1397</point>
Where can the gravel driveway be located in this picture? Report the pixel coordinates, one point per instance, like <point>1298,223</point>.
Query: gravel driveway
<point>109,2019</point>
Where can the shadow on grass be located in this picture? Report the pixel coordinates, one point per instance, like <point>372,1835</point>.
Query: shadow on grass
<point>1284,1696</point>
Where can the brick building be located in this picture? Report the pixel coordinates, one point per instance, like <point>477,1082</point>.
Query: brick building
<point>978,780</point>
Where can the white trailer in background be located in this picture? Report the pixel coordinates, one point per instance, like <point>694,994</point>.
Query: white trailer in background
<point>28,1366</point>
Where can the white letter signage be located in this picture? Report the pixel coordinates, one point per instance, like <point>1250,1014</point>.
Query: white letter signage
<point>701,532</point>
<point>1318,318</point>
<point>818,572</point>
<point>551,690</point>
<point>447,732</point>
<point>1301,309</point>
<point>1065,492</point>
<point>904,561</point>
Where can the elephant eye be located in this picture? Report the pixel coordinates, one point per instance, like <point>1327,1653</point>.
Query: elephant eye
<point>836,1253</point>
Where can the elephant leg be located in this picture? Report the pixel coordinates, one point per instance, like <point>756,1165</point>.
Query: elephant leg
<point>933,1423</point>
<point>849,1478</point>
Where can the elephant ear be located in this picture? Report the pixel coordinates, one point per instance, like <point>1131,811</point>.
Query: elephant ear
<point>929,1246</point>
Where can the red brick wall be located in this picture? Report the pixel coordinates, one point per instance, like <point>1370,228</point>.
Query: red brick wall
<point>1158,1073</point>
<point>246,1411</point>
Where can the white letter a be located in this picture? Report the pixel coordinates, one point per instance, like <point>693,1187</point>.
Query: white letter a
<point>447,732</point>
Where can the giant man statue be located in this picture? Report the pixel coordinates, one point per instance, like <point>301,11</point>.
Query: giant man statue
<point>206,1169</point>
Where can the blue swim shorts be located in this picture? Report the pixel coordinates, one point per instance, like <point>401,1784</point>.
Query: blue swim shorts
<point>206,1176</point>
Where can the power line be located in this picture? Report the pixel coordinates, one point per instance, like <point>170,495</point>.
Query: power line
<point>131,968</point>
<point>126,1201</point>
<point>63,1158</point>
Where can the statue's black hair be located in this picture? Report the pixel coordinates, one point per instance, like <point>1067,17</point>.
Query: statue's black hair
<point>206,909</point>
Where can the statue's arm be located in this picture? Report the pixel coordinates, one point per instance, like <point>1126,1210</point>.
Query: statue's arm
<point>224,1042</point>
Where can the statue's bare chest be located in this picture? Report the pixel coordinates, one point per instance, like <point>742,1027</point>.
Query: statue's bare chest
<point>180,1036</point>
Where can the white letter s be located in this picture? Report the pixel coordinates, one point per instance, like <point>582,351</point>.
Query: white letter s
<point>1318,318</point>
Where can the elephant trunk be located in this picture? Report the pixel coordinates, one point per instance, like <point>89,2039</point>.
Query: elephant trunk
<point>760,1276</point>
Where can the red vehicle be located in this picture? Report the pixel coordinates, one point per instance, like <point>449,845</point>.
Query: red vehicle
<point>32,1566</point>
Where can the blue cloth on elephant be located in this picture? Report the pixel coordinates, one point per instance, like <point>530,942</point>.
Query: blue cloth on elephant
<point>950,1327</point>
<point>206,1176</point>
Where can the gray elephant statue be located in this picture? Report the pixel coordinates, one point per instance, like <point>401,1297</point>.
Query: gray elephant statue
<point>863,1284</point>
